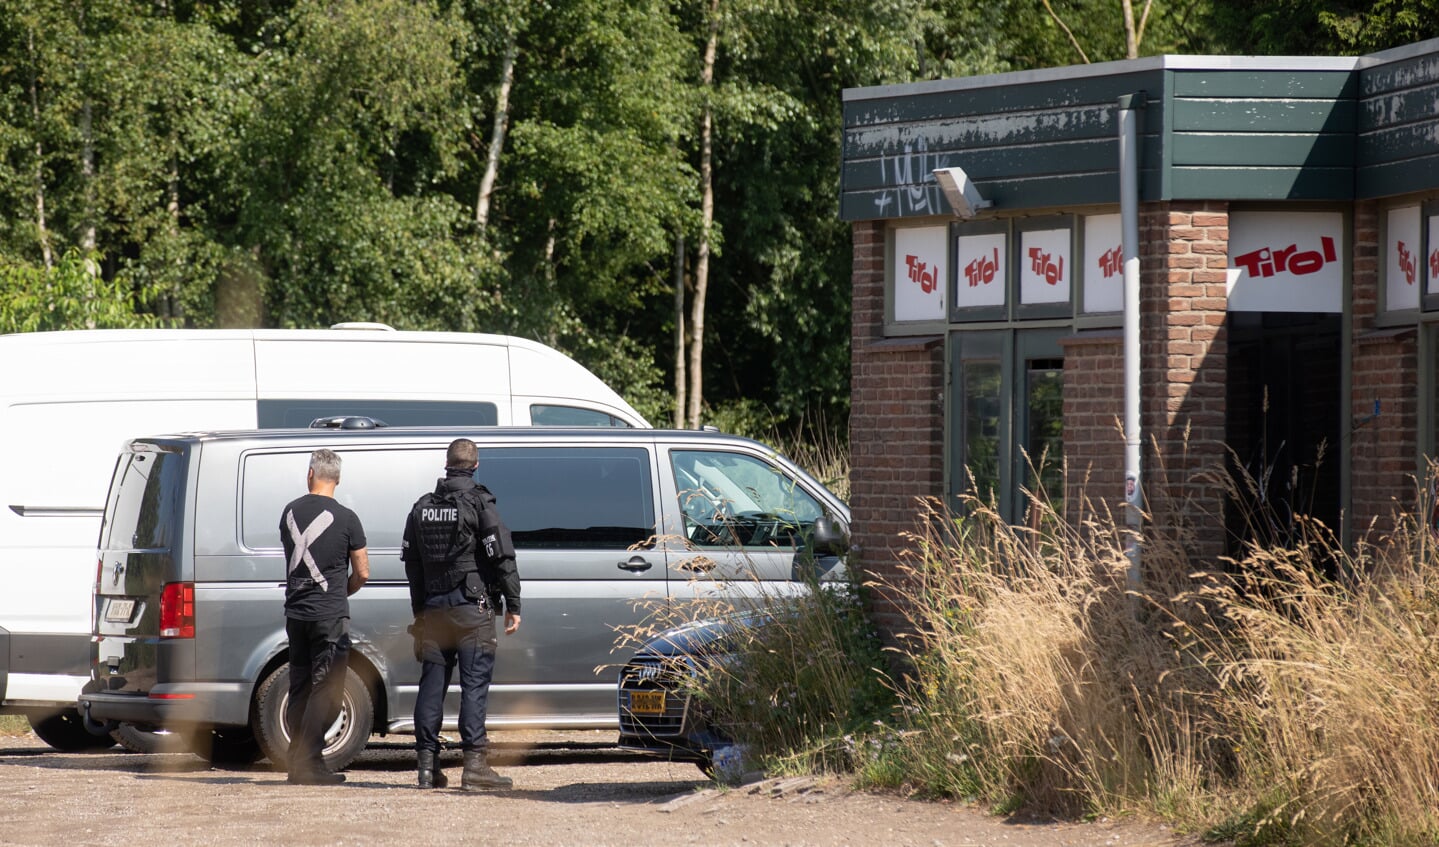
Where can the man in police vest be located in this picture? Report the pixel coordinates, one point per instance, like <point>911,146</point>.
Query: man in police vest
<point>460,562</point>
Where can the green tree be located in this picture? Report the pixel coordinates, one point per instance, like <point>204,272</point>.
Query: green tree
<point>1321,27</point>
<point>356,119</point>
<point>71,294</point>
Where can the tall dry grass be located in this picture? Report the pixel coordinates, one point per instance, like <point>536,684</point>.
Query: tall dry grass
<point>1290,695</point>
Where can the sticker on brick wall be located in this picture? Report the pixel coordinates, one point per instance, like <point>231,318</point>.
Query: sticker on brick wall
<point>1044,266</point>
<point>980,260</point>
<point>1103,264</point>
<point>1401,259</point>
<point>1431,261</point>
<point>920,271</point>
<point>1286,262</point>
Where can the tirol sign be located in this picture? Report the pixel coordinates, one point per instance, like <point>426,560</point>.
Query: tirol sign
<point>1286,262</point>
<point>981,264</point>
<point>1401,259</point>
<point>1103,264</point>
<point>1044,266</point>
<point>920,270</point>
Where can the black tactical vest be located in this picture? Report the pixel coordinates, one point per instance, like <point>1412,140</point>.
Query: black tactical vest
<point>445,522</point>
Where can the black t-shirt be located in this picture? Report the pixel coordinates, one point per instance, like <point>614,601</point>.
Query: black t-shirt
<point>318,534</point>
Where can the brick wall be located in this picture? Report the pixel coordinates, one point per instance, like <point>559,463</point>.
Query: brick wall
<point>1385,369</point>
<point>896,426</point>
<point>1093,421</point>
<point>1184,362</point>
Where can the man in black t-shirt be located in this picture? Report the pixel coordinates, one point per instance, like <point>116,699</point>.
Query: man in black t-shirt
<point>326,562</point>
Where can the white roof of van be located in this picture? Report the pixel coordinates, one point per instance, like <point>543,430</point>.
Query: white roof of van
<point>535,369</point>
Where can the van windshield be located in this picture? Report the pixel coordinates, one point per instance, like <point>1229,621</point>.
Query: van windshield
<point>143,498</point>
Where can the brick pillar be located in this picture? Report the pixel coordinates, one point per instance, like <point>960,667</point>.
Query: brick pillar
<point>896,428</point>
<point>1384,368</point>
<point>1183,363</point>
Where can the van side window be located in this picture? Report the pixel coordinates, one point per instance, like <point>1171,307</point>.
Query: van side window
<point>379,485</point>
<point>142,514</point>
<point>282,414</point>
<point>543,415</point>
<point>558,498</point>
<point>736,500</point>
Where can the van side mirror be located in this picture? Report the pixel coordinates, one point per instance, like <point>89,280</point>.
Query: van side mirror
<point>831,536</point>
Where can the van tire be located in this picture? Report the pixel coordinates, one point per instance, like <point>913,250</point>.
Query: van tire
<point>351,730</point>
<point>144,740</point>
<point>65,731</point>
<point>226,746</point>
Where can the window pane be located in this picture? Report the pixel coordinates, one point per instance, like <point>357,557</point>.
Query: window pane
<point>732,499</point>
<point>280,414</point>
<point>982,405</point>
<point>1044,440</point>
<point>572,498</point>
<point>142,516</point>
<point>380,486</point>
<point>541,415</point>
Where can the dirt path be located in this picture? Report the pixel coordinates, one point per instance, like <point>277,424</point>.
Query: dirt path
<point>570,789</point>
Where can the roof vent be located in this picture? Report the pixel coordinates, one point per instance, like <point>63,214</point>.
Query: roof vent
<point>346,422</point>
<point>378,327</point>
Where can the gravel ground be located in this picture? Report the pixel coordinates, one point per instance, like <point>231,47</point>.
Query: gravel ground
<point>570,788</point>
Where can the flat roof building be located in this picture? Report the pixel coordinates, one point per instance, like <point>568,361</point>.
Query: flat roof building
<point>1286,231</point>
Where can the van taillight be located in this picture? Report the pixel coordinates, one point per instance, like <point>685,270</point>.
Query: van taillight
<point>177,610</point>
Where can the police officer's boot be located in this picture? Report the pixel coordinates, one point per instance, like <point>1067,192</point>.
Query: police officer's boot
<point>479,776</point>
<point>430,774</point>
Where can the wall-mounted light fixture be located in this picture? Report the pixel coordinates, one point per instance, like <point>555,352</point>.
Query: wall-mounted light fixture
<point>963,197</point>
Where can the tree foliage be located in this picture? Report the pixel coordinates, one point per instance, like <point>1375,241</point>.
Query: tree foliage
<point>301,162</point>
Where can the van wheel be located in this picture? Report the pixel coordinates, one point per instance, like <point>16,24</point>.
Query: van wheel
<point>226,746</point>
<point>148,740</point>
<point>66,732</point>
<point>345,738</point>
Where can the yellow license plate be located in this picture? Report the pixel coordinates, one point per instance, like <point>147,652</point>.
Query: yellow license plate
<point>647,702</point>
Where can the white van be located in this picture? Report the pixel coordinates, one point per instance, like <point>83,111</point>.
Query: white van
<point>69,401</point>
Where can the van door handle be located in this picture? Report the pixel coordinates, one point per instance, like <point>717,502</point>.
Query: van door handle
<point>636,564</point>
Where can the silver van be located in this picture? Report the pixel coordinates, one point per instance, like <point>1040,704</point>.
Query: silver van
<point>188,625</point>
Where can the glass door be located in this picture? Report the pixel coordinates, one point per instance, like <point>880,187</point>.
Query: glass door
<point>1006,395</point>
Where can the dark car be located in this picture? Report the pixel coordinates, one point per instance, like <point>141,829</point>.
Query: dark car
<point>659,712</point>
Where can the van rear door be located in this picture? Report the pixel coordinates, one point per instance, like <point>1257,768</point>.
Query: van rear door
<point>143,610</point>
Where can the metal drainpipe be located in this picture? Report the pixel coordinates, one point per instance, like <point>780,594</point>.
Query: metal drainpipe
<point>1129,106</point>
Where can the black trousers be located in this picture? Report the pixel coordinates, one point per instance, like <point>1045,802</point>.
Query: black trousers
<point>319,660</point>
<point>456,632</point>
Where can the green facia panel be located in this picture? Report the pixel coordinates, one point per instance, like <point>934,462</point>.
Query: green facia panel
<point>1058,96</point>
<point>1405,177</point>
<point>1284,85</point>
<point>1398,139</point>
<point>1283,150</point>
<point>1398,144</point>
<point>1263,116</point>
<point>1261,183</point>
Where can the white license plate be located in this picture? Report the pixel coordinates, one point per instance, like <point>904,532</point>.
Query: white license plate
<point>119,611</point>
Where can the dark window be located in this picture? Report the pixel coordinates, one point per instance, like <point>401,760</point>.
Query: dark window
<point>143,500</point>
<point>282,414</point>
<point>571,416</point>
<point>572,497</point>
<point>1044,436</point>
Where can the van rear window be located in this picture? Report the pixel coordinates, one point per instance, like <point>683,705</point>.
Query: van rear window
<point>142,512</point>
<point>286,414</point>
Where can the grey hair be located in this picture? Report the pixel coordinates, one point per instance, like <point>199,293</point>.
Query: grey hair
<point>326,465</point>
